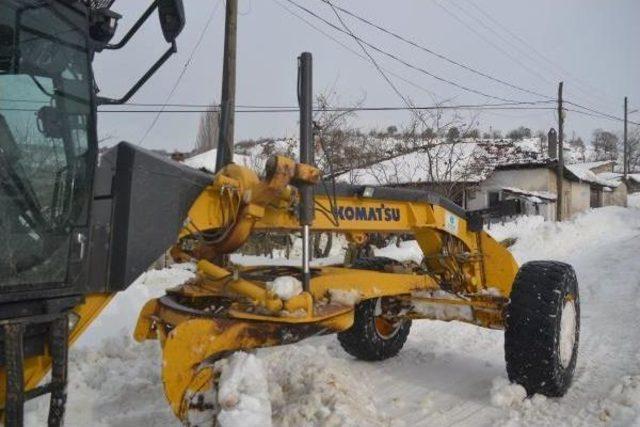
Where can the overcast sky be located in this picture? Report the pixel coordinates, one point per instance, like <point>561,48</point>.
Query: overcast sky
<point>590,44</point>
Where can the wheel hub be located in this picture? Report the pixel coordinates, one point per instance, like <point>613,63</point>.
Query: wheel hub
<point>567,332</point>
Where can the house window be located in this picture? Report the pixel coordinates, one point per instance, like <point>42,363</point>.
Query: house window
<point>494,198</point>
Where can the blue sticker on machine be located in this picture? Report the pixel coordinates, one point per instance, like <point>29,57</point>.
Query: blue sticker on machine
<point>451,222</point>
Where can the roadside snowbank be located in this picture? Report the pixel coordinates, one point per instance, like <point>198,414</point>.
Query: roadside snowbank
<point>119,317</point>
<point>309,387</point>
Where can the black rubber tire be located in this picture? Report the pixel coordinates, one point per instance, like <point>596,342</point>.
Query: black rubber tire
<point>364,342</point>
<point>532,327</point>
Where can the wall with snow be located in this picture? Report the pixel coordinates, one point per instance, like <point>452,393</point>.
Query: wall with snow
<point>577,198</point>
<point>617,197</point>
<point>577,194</point>
<point>526,179</point>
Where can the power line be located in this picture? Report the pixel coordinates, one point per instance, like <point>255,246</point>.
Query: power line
<point>182,73</point>
<point>532,105</point>
<point>534,50</point>
<point>278,111</point>
<point>353,51</point>
<point>371,58</point>
<point>438,55</point>
<point>525,52</point>
<point>482,36</point>
<point>489,28</point>
<point>215,107</point>
<point>398,59</point>
<point>595,113</point>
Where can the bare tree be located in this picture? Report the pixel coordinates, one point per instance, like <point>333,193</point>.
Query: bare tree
<point>578,145</point>
<point>207,137</point>
<point>605,144</point>
<point>519,133</point>
<point>633,140</point>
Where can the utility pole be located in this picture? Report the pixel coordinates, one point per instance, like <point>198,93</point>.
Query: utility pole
<point>228,99</point>
<point>560,169</point>
<point>625,158</point>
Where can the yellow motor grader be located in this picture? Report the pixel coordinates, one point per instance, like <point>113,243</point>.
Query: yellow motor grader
<point>77,228</point>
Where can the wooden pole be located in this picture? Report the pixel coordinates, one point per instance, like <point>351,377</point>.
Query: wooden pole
<point>560,166</point>
<point>228,99</point>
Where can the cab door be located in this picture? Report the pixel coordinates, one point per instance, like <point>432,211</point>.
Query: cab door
<point>47,148</point>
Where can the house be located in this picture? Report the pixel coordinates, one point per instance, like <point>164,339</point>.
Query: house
<point>447,168</point>
<point>633,182</point>
<point>479,174</point>
<point>534,185</point>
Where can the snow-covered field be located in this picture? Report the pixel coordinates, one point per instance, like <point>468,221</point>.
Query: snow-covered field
<point>447,374</point>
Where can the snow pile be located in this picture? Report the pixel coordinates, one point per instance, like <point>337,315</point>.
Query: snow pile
<point>505,394</point>
<point>441,311</point>
<point>407,251</point>
<point>533,196</point>
<point>207,160</point>
<point>552,240</point>
<point>512,229</point>
<point>339,296</point>
<point>119,317</point>
<point>285,287</point>
<point>622,407</point>
<point>309,387</point>
<point>633,200</point>
<point>113,383</point>
<point>243,393</point>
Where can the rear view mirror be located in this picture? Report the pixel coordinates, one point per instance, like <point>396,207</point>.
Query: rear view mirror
<point>172,20</point>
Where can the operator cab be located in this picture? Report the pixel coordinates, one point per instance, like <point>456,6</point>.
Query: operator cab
<point>47,145</point>
<point>49,205</point>
<point>48,141</point>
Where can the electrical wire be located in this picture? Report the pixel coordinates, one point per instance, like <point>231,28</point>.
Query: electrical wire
<point>601,116</point>
<point>397,58</point>
<point>479,107</point>
<point>524,52</point>
<point>495,46</point>
<point>353,51</point>
<point>371,58</point>
<point>562,71</point>
<point>436,54</point>
<point>600,113</point>
<point>182,72</point>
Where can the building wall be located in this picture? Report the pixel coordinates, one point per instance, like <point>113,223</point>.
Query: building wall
<point>633,186</point>
<point>579,199</point>
<point>617,197</point>
<point>576,194</point>
<point>526,179</point>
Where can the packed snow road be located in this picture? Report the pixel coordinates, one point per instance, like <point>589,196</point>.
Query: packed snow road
<point>448,374</point>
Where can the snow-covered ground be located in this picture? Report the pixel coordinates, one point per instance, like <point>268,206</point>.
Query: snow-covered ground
<point>447,374</point>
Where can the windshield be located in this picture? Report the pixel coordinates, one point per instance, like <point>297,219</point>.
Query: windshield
<point>45,161</point>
